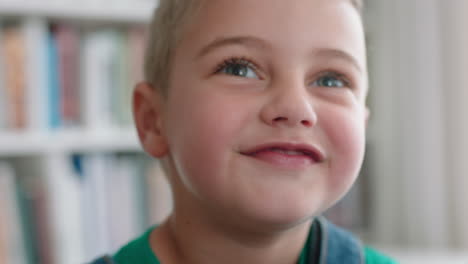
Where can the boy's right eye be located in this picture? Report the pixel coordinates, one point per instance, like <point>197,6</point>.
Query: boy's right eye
<point>238,67</point>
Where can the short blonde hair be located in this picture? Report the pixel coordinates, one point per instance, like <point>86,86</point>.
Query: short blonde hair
<point>164,34</point>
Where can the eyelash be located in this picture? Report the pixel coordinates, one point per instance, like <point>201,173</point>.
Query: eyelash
<point>333,73</point>
<point>236,60</point>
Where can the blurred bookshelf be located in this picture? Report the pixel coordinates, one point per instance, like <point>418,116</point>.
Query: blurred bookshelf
<point>74,181</point>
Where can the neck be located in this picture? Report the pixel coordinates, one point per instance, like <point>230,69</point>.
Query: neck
<point>185,239</point>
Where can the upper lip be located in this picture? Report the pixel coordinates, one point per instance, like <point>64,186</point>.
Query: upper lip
<point>315,153</point>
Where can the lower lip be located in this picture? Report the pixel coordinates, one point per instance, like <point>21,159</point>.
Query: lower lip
<point>283,160</point>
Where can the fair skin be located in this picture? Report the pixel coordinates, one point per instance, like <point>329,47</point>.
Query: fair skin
<point>262,129</point>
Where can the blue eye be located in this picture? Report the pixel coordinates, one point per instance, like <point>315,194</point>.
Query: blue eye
<point>238,67</point>
<point>331,80</point>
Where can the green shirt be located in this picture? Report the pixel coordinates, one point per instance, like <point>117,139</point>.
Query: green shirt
<point>139,251</point>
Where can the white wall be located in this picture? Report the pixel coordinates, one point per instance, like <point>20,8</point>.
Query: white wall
<point>419,67</point>
<point>455,64</point>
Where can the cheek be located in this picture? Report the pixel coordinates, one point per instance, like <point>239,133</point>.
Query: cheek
<point>203,129</point>
<point>346,135</point>
<point>207,122</point>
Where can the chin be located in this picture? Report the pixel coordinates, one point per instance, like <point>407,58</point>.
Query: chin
<point>281,217</point>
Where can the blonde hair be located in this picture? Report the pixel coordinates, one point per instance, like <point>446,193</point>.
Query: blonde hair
<point>164,33</point>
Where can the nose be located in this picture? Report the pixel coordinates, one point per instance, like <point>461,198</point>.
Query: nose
<point>289,106</point>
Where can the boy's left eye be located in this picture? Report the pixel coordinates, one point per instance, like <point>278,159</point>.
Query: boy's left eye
<point>238,67</point>
<point>331,80</point>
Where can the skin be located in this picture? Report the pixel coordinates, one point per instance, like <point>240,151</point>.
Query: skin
<point>234,208</point>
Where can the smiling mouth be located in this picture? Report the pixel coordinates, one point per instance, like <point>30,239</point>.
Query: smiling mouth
<point>286,155</point>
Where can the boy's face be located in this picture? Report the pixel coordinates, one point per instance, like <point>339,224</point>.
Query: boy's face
<point>265,115</point>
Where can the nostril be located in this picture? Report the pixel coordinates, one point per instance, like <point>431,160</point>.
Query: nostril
<point>280,118</point>
<point>306,123</point>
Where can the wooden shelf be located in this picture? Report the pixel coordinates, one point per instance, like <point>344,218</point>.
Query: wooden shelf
<point>23,144</point>
<point>115,11</point>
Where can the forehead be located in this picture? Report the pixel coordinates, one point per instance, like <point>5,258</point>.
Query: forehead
<point>308,5</point>
<point>288,26</point>
<point>357,4</point>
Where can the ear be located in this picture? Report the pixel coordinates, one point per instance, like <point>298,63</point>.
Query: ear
<point>147,107</point>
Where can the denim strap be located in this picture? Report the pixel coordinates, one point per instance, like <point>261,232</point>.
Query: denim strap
<point>338,245</point>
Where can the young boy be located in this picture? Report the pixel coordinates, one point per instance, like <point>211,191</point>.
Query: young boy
<point>257,112</point>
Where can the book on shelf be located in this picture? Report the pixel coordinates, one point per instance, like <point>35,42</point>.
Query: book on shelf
<point>33,197</point>
<point>68,44</point>
<point>120,81</point>
<point>3,99</point>
<point>95,205</point>
<point>53,86</point>
<point>23,74</point>
<point>35,31</point>
<point>14,66</point>
<point>65,194</point>
<point>100,56</point>
<point>136,45</point>
<point>12,248</point>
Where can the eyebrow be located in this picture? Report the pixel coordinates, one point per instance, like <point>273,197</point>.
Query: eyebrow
<point>258,43</point>
<point>338,53</point>
<point>248,41</point>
